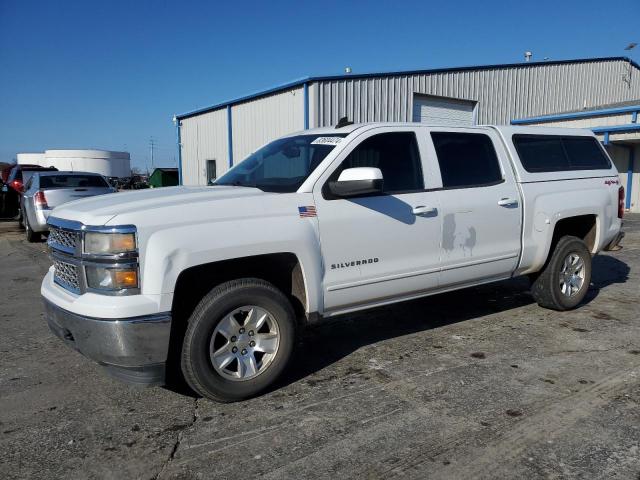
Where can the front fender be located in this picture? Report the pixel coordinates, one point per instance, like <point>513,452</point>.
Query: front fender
<point>170,251</point>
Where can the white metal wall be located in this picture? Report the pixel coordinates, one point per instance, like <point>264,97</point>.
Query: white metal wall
<point>203,137</point>
<point>502,93</point>
<point>260,121</point>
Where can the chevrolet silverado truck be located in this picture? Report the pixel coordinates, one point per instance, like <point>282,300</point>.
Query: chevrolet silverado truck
<point>214,282</point>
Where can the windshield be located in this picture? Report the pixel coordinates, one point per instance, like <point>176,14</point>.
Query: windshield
<point>283,165</point>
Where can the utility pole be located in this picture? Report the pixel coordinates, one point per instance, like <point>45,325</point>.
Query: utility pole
<point>152,144</point>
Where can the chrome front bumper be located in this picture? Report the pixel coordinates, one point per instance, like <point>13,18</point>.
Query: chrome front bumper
<point>133,350</point>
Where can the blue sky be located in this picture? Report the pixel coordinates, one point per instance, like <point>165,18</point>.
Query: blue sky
<point>110,74</point>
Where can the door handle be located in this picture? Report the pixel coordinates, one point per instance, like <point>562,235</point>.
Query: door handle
<point>422,210</point>
<point>508,202</point>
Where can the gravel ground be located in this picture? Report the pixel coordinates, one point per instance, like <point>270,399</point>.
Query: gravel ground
<point>480,383</point>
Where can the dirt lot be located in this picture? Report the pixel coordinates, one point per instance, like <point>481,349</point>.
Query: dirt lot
<point>480,383</point>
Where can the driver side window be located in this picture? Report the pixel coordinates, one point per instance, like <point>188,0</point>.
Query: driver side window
<point>397,156</point>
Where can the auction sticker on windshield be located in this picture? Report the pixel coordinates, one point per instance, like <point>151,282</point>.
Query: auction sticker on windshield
<point>326,141</point>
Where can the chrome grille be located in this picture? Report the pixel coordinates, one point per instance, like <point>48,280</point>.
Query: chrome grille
<point>66,274</point>
<point>63,239</point>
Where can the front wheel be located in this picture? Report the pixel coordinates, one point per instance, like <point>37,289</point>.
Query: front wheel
<point>564,281</point>
<point>238,341</point>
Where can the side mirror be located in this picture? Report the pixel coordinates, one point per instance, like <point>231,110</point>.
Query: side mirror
<point>353,182</point>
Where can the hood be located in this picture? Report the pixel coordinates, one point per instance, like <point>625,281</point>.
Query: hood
<point>169,204</point>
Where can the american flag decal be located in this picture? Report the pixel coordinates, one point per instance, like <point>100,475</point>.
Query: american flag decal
<point>309,211</point>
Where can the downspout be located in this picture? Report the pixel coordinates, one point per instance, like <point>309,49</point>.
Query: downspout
<point>229,136</point>
<point>178,123</point>
<point>306,105</point>
<point>630,176</point>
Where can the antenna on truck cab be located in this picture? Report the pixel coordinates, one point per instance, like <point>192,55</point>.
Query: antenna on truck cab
<point>343,122</point>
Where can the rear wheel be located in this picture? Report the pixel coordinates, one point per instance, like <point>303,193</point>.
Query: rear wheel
<point>30,234</point>
<point>239,340</point>
<point>564,282</point>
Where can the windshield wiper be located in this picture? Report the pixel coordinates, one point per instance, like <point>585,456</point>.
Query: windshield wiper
<point>238,183</point>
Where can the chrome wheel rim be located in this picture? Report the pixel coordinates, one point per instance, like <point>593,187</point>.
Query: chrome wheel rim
<point>572,275</point>
<point>244,343</point>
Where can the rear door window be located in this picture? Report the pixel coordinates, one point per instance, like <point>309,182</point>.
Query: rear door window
<point>553,153</point>
<point>466,159</point>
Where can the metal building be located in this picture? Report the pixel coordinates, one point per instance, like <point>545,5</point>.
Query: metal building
<point>213,138</point>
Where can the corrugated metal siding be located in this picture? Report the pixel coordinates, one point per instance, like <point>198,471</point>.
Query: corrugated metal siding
<point>503,93</point>
<point>203,138</point>
<point>259,121</point>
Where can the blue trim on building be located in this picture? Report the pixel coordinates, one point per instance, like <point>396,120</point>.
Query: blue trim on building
<point>634,109</point>
<point>634,117</point>
<point>306,105</point>
<point>230,136</point>
<point>178,136</point>
<point>606,138</point>
<point>630,177</point>
<point>629,127</point>
<point>302,81</point>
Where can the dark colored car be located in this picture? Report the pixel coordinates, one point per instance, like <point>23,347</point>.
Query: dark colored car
<point>5,168</point>
<point>12,189</point>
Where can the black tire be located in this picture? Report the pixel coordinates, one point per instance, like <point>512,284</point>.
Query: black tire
<point>546,289</point>
<point>30,234</point>
<point>196,363</point>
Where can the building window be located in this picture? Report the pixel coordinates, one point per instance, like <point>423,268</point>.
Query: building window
<point>395,154</point>
<point>212,173</point>
<point>466,159</point>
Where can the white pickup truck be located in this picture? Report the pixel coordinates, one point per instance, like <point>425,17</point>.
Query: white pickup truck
<point>214,282</point>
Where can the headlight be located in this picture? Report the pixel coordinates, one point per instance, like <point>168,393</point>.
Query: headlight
<point>99,243</point>
<point>101,278</point>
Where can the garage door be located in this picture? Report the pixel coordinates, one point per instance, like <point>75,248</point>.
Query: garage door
<point>443,111</point>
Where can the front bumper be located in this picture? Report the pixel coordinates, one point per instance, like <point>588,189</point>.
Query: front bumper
<point>133,350</point>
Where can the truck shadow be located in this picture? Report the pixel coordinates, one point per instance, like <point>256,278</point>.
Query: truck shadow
<point>329,342</point>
